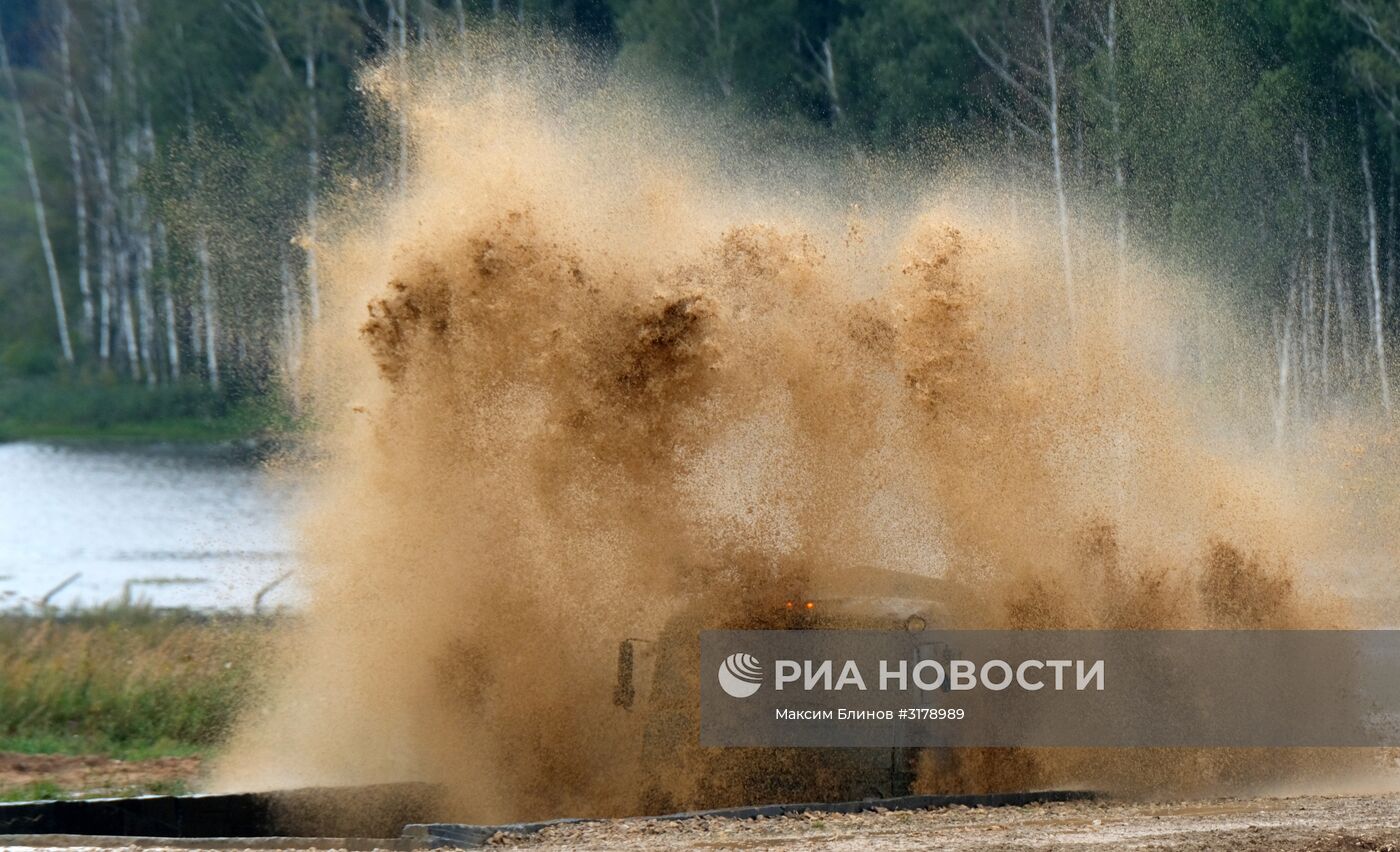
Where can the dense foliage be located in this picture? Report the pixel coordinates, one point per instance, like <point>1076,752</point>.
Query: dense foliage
<point>1256,139</point>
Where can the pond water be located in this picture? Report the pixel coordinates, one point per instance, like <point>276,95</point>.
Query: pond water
<point>174,526</point>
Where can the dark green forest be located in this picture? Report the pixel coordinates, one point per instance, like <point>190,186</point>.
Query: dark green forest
<point>148,148</point>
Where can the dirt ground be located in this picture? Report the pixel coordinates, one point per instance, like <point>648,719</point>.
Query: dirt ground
<point>1293,824</point>
<point>1311,823</point>
<point>92,775</point>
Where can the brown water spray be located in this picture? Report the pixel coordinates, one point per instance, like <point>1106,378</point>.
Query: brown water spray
<point>584,371</point>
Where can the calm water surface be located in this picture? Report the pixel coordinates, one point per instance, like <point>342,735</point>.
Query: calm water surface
<point>176,526</point>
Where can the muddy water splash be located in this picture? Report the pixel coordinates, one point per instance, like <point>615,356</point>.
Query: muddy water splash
<point>584,372</point>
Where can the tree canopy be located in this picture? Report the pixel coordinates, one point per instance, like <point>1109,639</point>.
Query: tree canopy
<point>1259,137</point>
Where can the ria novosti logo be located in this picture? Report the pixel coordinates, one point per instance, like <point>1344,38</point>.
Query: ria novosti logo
<point>740,675</point>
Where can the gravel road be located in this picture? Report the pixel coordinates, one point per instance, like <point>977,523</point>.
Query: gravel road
<point>1300,824</point>
<point>1313,823</point>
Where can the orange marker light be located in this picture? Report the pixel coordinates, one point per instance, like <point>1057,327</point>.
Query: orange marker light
<point>810,605</point>
<point>789,604</point>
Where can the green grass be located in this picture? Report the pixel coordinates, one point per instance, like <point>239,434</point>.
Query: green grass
<point>125,682</point>
<point>33,791</point>
<point>77,744</point>
<point>85,409</point>
<point>46,789</point>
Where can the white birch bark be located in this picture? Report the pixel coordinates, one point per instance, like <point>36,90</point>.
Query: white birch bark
<point>403,108</point>
<point>1346,333</point>
<point>75,159</point>
<point>313,165</point>
<point>824,64</point>
<point>145,282</point>
<point>1013,190</point>
<point>396,30</point>
<point>206,300</point>
<point>204,326</point>
<point>1120,179</point>
<point>106,282</point>
<point>1390,229</point>
<point>27,154</point>
<point>133,256</point>
<point>1041,88</point>
<point>1327,275</point>
<point>128,321</point>
<point>108,242</point>
<point>710,21</point>
<point>196,323</point>
<point>171,317</point>
<point>1346,320</point>
<point>255,11</point>
<point>1373,267</point>
<point>291,321</point>
<point>1310,378</point>
<point>1061,203</point>
<point>1281,389</point>
<point>427,21</point>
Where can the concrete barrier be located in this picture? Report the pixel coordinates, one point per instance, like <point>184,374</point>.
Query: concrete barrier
<point>358,818</point>
<point>371,811</point>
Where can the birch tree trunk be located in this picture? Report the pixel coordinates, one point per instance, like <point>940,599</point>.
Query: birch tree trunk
<point>1282,345</point>
<point>123,150</point>
<point>1056,159</point>
<point>108,240</point>
<point>1120,178</point>
<point>1013,191</point>
<point>308,83</point>
<point>106,282</point>
<point>75,158</point>
<point>133,153</point>
<point>1346,323</point>
<point>403,112</point>
<point>196,322</point>
<point>206,300</point>
<point>61,314</point>
<point>128,324</point>
<point>1041,89</point>
<point>1327,274</point>
<point>1373,266</point>
<point>313,166</point>
<point>146,265</point>
<point>172,329</point>
<point>204,326</point>
<point>1390,228</point>
<point>1309,378</point>
<point>721,65</point>
<point>397,34</point>
<point>291,321</point>
<point>107,257</point>
<point>826,65</point>
<point>427,21</point>
<point>1346,333</point>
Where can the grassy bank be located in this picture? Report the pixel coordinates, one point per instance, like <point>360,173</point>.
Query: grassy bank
<point>77,409</point>
<point>128,683</point>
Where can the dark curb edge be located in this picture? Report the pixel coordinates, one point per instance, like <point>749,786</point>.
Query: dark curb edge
<point>465,836</point>
<point>101,841</point>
